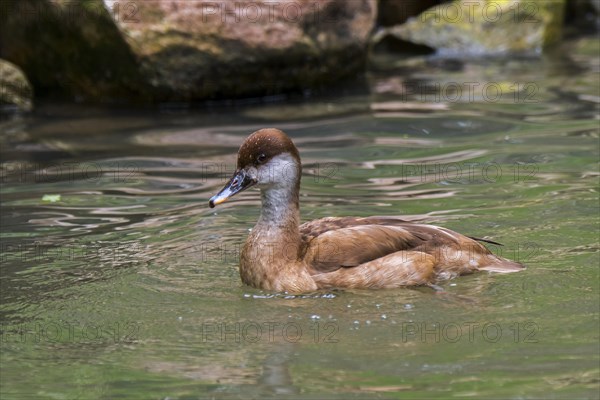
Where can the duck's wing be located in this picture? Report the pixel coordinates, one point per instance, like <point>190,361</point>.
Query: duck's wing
<point>402,268</point>
<point>335,243</point>
<point>312,229</point>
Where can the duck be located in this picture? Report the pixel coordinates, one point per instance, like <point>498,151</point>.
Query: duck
<point>379,252</point>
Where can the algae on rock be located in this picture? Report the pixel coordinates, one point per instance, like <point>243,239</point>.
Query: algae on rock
<point>484,27</point>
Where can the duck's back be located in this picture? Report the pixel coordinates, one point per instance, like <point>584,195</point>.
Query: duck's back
<point>373,247</point>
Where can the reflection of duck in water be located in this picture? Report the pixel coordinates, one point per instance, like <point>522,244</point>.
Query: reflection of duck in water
<point>348,252</point>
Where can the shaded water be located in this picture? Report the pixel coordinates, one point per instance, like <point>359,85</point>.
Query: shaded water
<point>118,281</point>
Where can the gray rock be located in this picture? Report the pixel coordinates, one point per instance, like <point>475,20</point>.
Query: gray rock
<point>69,48</point>
<point>212,49</point>
<point>180,50</point>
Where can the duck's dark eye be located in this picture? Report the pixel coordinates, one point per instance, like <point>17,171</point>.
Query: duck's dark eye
<point>261,158</point>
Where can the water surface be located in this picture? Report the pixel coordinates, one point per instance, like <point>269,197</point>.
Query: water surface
<point>118,281</point>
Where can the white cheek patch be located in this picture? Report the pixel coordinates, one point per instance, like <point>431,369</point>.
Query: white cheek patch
<point>252,172</point>
<point>280,170</point>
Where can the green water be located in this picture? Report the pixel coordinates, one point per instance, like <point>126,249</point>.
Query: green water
<point>127,286</point>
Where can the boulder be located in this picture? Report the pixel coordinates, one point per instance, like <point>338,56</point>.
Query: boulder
<point>224,49</point>
<point>484,27</point>
<point>180,50</point>
<point>15,90</point>
<point>69,48</point>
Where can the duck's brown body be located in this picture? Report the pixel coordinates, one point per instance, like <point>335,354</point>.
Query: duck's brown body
<point>373,252</point>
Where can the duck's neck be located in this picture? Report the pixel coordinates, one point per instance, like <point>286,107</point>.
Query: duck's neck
<point>275,239</point>
<point>270,258</point>
<point>280,210</point>
<point>273,246</point>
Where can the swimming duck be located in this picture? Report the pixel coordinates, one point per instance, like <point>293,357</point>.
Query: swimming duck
<point>376,252</point>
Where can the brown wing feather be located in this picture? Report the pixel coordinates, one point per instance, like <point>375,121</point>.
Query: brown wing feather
<point>402,268</point>
<point>349,247</point>
<point>311,229</point>
<point>334,243</point>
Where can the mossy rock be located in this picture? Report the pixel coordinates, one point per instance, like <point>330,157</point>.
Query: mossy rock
<point>487,27</point>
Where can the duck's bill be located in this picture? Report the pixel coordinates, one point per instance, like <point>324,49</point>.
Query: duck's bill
<point>238,183</point>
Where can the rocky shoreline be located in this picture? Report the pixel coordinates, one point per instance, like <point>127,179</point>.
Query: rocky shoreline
<point>156,51</point>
